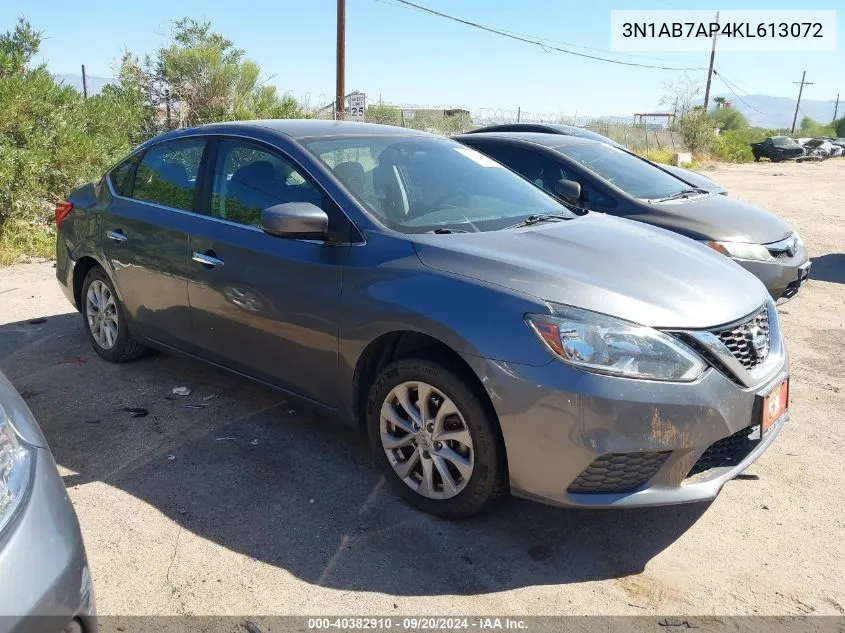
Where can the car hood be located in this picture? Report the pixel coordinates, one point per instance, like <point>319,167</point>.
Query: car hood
<point>609,265</point>
<point>695,179</point>
<point>715,218</point>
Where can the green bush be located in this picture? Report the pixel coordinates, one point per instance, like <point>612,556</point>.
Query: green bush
<point>735,146</point>
<point>51,140</point>
<point>840,128</point>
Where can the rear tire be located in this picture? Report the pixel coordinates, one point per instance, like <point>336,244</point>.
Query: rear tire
<point>105,321</point>
<point>451,450</point>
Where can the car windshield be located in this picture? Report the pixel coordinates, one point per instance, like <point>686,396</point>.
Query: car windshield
<point>634,176</point>
<point>422,184</point>
<point>783,141</point>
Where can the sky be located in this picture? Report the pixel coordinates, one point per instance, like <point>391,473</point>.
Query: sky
<point>406,57</point>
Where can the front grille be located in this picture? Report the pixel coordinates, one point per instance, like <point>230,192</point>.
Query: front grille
<point>749,341</point>
<point>728,451</point>
<point>619,472</point>
<point>785,248</point>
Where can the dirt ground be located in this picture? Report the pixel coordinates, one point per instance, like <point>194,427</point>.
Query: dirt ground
<point>246,506</point>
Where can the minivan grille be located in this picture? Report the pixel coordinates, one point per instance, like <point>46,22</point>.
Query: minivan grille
<point>749,341</point>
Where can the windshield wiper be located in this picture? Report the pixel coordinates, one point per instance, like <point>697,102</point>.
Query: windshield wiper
<point>446,231</point>
<point>683,193</point>
<point>540,217</point>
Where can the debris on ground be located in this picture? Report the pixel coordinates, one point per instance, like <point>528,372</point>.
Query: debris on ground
<point>171,457</point>
<point>72,361</point>
<point>182,391</point>
<point>92,421</point>
<point>195,406</point>
<point>210,397</point>
<point>223,439</point>
<point>310,501</point>
<point>254,442</point>
<point>37,321</point>
<point>137,412</point>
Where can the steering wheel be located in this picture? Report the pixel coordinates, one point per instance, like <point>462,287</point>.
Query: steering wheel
<point>449,195</point>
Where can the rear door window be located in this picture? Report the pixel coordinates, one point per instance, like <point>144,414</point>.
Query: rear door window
<point>167,174</point>
<point>121,176</point>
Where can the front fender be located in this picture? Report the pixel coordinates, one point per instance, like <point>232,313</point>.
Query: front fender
<point>387,289</point>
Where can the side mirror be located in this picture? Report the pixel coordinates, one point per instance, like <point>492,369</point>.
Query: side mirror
<point>569,190</point>
<point>295,219</point>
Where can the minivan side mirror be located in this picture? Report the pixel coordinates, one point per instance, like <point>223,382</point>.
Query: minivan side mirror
<point>295,219</point>
<point>569,190</point>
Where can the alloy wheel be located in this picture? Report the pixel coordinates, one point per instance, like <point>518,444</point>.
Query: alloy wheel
<point>101,311</point>
<point>426,440</point>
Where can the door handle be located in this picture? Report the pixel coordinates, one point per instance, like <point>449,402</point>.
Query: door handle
<point>117,236</point>
<point>206,259</point>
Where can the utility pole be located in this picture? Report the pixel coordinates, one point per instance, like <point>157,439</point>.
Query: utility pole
<point>341,56</point>
<point>802,83</point>
<point>836,109</point>
<point>710,72</point>
<point>84,84</point>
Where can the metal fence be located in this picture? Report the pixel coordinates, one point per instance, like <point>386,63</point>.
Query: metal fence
<point>456,120</point>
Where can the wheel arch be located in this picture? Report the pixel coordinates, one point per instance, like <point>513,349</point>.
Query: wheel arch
<point>399,344</point>
<point>81,268</point>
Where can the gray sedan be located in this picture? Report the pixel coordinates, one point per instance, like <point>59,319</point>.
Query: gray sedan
<point>46,582</point>
<point>486,338</point>
<point>595,176</point>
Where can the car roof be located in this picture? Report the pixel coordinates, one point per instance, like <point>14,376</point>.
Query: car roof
<point>552,141</point>
<point>299,128</point>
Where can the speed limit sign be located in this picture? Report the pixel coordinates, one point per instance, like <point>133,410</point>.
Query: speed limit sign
<point>357,106</point>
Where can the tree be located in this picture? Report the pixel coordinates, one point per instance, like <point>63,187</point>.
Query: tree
<point>17,48</point>
<point>811,127</point>
<point>728,119</point>
<point>696,130</point>
<point>840,128</point>
<point>50,141</point>
<point>681,96</point>
<point>202,77</point>
<point>719,101</point>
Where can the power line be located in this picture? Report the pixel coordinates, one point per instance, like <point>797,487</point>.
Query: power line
<point>733,90</point>
<point>531,40</point>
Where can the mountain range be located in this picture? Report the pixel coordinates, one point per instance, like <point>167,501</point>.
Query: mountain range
<point>777,112</point>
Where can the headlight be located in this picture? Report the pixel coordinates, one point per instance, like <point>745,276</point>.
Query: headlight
<point>741,250</point>
<point>607,345</point>
<point>15,470</point>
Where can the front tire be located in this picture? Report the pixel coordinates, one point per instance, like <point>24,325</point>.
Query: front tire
<point>436,440</point>
<point>105,321</point>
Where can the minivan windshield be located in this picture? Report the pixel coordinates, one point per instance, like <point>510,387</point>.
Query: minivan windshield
<point>634,176</point>
<point>418,184</point>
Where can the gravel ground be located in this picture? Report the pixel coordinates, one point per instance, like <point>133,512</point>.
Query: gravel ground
<point>248,506</point>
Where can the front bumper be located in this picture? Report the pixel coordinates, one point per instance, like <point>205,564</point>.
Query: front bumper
<point>783,278</point>
<point>46,581</point>
<point>557,420</point>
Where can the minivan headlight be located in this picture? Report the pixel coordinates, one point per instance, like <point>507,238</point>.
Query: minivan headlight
<point>607,345</point>
<point>741,250</point>
<point>15,470</point>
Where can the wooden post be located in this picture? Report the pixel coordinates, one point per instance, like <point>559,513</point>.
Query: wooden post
<point>84,84</point>
<point>340,90</point>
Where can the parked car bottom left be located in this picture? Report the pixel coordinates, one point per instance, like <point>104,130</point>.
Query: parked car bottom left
<point>46,582</point>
